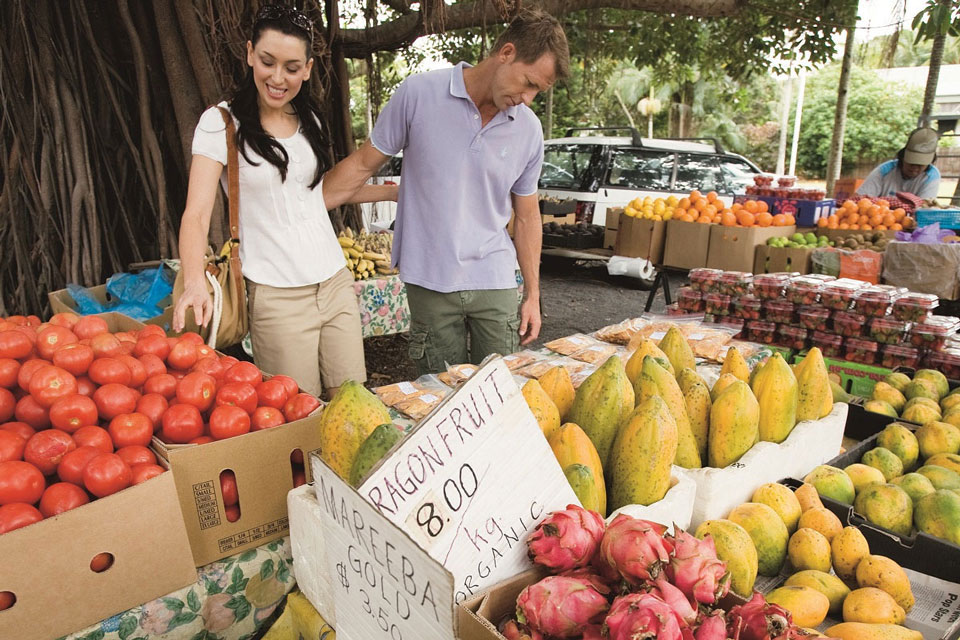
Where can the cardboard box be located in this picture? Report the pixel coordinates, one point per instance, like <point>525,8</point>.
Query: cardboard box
<point>855,378</point>
<point>686,245</point>
<point>733,248</point>
<point>569,218</point>
<point>47,564</point>
<point>846,188</point>
<point>609,238</point>
<point>62,302</point>
<point>769,259</point>
<point>613,217</point>
<point>640,238</point>
<point>261,462</point>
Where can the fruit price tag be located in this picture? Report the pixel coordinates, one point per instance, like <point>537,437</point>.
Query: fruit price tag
<point>406,388</point>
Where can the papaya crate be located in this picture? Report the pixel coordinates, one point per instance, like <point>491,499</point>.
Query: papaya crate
<point>676,506</point>
<point>47,565</point>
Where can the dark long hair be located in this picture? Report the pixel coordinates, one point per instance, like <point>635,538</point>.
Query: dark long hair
<point>246,108</point>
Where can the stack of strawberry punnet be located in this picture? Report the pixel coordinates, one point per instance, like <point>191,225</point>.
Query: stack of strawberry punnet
<point>632,579</point>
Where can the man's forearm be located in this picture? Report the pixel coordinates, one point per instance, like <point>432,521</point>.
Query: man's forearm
<point>528,239</point>
<point>341,184</point>
<point>374,193</point>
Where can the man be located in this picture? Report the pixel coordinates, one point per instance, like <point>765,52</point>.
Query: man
<point>912,171</point>
<point>472,151</point>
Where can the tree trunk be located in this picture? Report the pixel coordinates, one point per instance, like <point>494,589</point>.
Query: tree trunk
<point>785,99</point>
<point>840,117</point>
<point>933,76</point>
<point>548,116</point>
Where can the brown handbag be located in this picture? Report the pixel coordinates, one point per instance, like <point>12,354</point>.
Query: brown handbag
<point>224,276</point>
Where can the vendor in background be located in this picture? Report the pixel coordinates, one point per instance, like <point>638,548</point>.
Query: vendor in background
<point>304,318</point>
<point>472,151</point>
<point>912,171</point>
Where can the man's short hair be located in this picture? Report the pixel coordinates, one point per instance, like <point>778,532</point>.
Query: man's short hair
<point>533,33</point>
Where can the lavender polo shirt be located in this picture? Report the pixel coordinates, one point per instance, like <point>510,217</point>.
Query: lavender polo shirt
<point>456,180</point>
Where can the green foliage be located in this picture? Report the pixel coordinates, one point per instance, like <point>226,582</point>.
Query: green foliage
<point>909,51</point>
<point>939,17</point>
<point>880,116</point>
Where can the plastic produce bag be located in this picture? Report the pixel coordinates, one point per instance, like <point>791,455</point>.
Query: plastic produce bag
<point>825,261</point>
<point>930,234</point>
<point>138,296</point>
<point>86,303</point>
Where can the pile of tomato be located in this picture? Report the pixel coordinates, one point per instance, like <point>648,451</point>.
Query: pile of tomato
<point>79,406</point>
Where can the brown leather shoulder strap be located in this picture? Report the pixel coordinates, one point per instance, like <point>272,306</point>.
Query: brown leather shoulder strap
<point>233,175</point>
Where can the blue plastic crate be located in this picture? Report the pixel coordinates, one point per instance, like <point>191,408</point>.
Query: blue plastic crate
<point>948,218</point>
<point>807,212</point>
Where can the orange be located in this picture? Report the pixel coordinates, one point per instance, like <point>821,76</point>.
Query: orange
<point>888,219</point>
<point>684,203</point>
<point>898,214</point>
<point>710,210</point>
<point>832,224</point>
<point>746,218</point>
<point>762,206</point>
<point>736,207</point>
<point>896,226</point>
<point>712,196</point>
<point>751,206</point>
<point>728,218</point>
<point>866,227</point>
<point>853,218</point>
<point>779,220</point>
<point>822,222</point>
<point>790,219</point>
<point>882,227</point>
<point>704,220</point>
<point>695,195</point>
<point>876,220</point>
<point>883,203</point>
<point>864,204</point>
<point>844,225</point>
<point>700,205</point>
<point>849,205</point>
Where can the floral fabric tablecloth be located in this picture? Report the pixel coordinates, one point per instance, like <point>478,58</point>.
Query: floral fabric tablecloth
<point>230,601</point>
<point>383,306</point>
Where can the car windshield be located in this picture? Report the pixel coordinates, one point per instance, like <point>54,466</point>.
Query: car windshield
<point>695,171</point>
<point>565,165</point>
<point>738,173</point>
<point>640,169</point>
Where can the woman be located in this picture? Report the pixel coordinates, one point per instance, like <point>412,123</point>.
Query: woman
<point>304,319</point>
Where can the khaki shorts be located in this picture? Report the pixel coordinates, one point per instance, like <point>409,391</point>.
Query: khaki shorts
<point>310,333</point>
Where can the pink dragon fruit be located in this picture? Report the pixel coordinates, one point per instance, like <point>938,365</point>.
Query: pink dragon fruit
<point>593,632</point>
<point>695,569</point>
<point>513,630</point>
<point>560,606</point>
<point>566,539</point>
<point>670,594</point>
<point>602,584</point>
<point>641,616</point>
<point>761,620</point>
<point>636,548</point>
<point>712,627</point>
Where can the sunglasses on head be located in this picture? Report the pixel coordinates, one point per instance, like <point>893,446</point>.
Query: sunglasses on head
<point>282,12</point>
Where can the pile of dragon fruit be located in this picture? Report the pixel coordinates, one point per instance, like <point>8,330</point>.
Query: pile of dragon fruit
<point>632,580</point>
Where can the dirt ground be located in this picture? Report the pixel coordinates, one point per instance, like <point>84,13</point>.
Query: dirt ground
<point>575,297</point>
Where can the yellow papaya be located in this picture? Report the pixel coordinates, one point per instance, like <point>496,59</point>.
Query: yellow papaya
<point>377,444</point>
<point>570,445</point>
<point>696,395</point>
<point>735,364</point>
<point>777,395</point>
<point>642,454</point>
<point>654,380</point>
<point>735,547</point>
<point>546,413</point>
<point>815,398</point>
<point>678,350</point>
<point>647,348</point>
<point>602,403</point>
<point>557,384</point>
<point>721,385</point>
<point>734,425</point>
<point>584,485</point>
<point>352,415</point>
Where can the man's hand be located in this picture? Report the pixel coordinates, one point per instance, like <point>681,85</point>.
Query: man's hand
<point>529,320</point>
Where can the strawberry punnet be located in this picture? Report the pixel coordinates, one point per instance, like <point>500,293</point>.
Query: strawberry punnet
<point>637,616</point>
<point>636,548</point>
<point>566,539</point>
<point>561,606</point>
<point>695,569</point>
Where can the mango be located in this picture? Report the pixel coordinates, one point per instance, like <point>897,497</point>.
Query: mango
<point>809,549</point>
<point>654,380</point>
<point>734,425</point>
<point>647,348</point>
<point>938,437</point>
<point>866,631</point>
<point>827,584</point>
<point>678,350</point>
<point>642,454</point>
<point>883,573</point>
<point>779,498</point>
<point>915,485</point>
<point>924,401</point>
<point>920,388</point>
<point>940,477</point>
<point>808,606</point>
<point>939,381</point>
<point>890,395</point>
<point>902,442</point>
<point>570,445</point>
<point>938,514</point>
<point>881,407</point>
<point>949,461</point>
<point>884,460</point>
<point>373,448</point>
<point>898,381</point>
<point>735,364</point>
<point>542,407</point>
<point>832,483</point>
<point>872,605</point>
<point>735,547</point>
<point>696,396</point>
<point>352,415</point>
<point>948,403</point>
<point>863,475</point>
<point>920,413</point>
<point>952,417</point>
<point>888,506</point>
<point>839,395</point>
<point>807,496</point>
<point>584,485</point>
<point>822,520</point>
<point>768,532</point>
<point>602,404</point>
<point>721,385</point>
<point>557,384</point>
<point>776,390</point>
<point>847,549</point>
<point>815,398</point>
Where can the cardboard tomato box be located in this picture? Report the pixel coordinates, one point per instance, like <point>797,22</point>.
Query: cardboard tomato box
<point>640,238</point>
<point>686,245</point>
<point>733,248</point>
<point>46,565</point>
<point>62,302</point>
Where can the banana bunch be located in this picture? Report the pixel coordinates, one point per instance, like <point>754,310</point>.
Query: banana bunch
<point>367,254</point>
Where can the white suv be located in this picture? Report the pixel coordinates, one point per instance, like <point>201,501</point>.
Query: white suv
<point>602,171</point>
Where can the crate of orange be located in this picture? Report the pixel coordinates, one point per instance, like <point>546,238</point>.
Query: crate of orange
<point>744,212</point>
<point>867,215</point>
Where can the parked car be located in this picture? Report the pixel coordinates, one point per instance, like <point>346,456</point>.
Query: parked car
<point>603,171</point>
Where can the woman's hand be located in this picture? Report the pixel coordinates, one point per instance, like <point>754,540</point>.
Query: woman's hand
<point>194,297</point>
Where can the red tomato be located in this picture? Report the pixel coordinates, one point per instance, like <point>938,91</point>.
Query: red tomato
<point>152,365</point>
<point>227,421</point>
<point>27,370</point>
<point>52,338</point>
<point>238,394</point>
<point>65,319</point>
<point>106,474</point>
<point>206,351</point>
<point>16,515</point>
<point>14,345</point>
<point>299,478</point>
<point>71,467</point>
<point>22,429</point>
<point>60,497</point>
<point>114,399</point>
<point>272,393</point>
<point>153,405</point>
<point>74,357</point>
<point>135,454</point>
<point>299,406</point>
<point>209,365</point>
<point>266,417</point>
<point>51,383</point>
<point>162,384</point>
<point>177,375</point>
<point>106,345</point>
<point>9,368</point>
<point>232,512</point>
<point>93,436</point>
<point>20,482</point>
<point>182,423</point>
<point>138,373</point>
<point>11,446</point>
<point>228,361</point>
<point>130,429</point>
<point>228,488</point>
<point>45,449</point>
<point>289,384</point>
<point>197,389</point>
<point>69,413</point>
<point>29,410</point>
<point>85,386</point>
<point>192,337</point>
<point>126,336</point>
<point>143,472</point>
<point>152,330</point>
<point>183,355</point>
<point>107,370</point>
<point>243,372</point>
<point>33,321</point>
<point>30,332</point>
<point>153,345</point>
<point>90,326</point>
<point>7,404</point>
